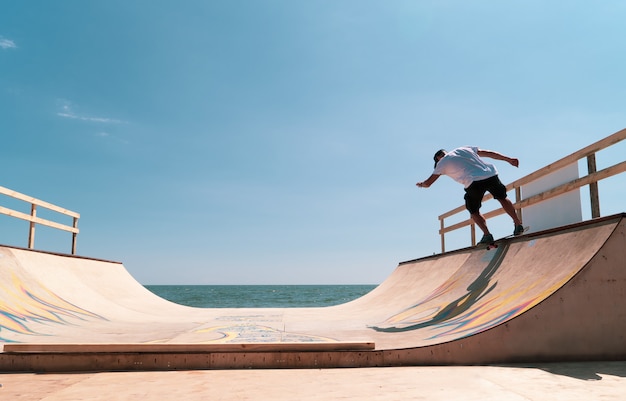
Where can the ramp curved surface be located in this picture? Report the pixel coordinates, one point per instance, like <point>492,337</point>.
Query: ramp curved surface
<point>555,295</point>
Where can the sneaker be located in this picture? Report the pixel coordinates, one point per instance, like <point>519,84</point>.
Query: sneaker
<point>487,239</point>
<point>519,230</point>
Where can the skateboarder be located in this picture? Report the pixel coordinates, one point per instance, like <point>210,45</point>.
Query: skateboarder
<point>466,166</point>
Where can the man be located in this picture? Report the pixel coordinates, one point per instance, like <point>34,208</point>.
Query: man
<point>466,166</point>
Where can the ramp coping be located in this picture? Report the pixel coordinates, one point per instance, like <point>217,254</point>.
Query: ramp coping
<point>188,347</point>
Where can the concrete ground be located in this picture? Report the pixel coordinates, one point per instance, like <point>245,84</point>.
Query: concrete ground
<point>558,381</point>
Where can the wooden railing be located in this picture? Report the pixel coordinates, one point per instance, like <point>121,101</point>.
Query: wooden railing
<point>591,179</point>
<point>33,219</point>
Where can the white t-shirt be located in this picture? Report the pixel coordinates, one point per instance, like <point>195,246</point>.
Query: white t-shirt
<point>464,166</point>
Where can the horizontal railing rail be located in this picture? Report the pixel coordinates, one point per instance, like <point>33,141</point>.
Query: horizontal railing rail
<point>34,220</point>
<point>591,179</point>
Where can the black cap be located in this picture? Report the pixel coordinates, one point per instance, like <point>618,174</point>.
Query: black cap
<point>440,152</point>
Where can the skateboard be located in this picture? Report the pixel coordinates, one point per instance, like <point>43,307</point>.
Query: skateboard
<point>494,244</point>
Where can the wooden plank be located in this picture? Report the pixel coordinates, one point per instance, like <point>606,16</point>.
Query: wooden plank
<point>573,158</point>
<point>452,212</point>
<point>38,202</point>
<point>38,220</point>
<point>574,184</point>
<point>469,222</point>
<point>456,226</point>
<point>192,348</point>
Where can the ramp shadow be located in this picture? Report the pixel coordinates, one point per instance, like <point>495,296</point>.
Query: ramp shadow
<point>479,288</point>
<point>588,371</point>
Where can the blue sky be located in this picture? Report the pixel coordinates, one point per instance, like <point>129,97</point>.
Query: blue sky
<point>279,141</point>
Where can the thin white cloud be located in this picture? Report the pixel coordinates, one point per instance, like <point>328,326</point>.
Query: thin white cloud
<point>7,43</point>
<point>92,119</point>
<point>103,134</point>
<point>67,112</point>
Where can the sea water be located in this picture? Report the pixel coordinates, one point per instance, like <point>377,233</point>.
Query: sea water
<point>259,296</point>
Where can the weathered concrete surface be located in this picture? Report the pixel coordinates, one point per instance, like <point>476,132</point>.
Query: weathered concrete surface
<point>582,381</point>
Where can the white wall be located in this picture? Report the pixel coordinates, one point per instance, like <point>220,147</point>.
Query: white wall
<point>561,210</point>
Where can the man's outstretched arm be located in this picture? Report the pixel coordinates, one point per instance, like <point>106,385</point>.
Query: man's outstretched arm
<point>498,156</point>
<point>429,181</point>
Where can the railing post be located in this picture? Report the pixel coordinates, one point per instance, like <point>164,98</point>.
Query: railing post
<point>74,235</point>
<point>31,231</point>
<point>443,240</point>
<point>593,187</point>
<point>518,197</point>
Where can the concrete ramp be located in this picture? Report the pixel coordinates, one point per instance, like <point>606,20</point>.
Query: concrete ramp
<point>557,295</point>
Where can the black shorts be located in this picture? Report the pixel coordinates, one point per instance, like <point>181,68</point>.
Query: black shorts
<point>475,192</point>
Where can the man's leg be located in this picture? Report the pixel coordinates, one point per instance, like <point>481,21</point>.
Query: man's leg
<point>473,200</point>
<point>508,207</point>
<point>480,222</point>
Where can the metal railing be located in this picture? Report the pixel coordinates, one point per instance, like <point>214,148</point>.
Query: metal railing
<point>33,219</point>
<point>590,179</point>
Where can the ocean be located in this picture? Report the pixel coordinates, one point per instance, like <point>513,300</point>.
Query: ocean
<point>260,296</point>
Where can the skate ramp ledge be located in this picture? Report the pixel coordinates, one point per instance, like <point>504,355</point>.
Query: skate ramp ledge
<point>188,348</point>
